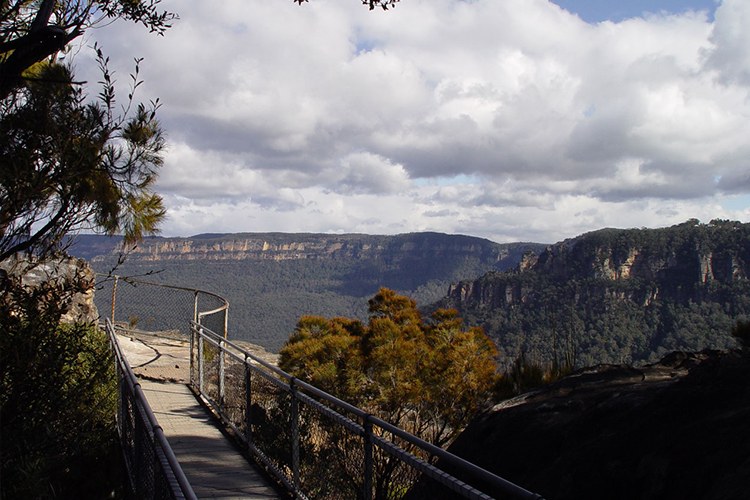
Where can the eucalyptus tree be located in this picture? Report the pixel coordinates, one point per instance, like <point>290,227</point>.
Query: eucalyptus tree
<point>32,31</point>
<point>429,377</point>
<point>67,162</point>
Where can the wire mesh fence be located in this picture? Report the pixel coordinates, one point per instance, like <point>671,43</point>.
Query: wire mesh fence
<point>315,445</point>
<point>322,447</point>
<point>156,307</point>
<point>153,471</point>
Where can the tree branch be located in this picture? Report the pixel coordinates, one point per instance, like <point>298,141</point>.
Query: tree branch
<point>36,237</point>
<point>43,16</point>
<point>32,48</point>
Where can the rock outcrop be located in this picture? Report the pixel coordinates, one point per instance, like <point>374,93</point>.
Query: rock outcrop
<point>617,295</point>
<point>671,430</point>
<point>678,261</point>
<point>80,307</point>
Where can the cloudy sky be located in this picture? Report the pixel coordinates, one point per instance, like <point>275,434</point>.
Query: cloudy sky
<point>513,120</point>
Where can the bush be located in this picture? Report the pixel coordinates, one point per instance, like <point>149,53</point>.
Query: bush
<point>741,331</point>
<point>58,397</point>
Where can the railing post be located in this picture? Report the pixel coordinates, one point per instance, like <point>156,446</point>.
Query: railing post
<point>226,321</point>
<point>192,331</point>
<point>114,298</point>
<point>200,360</point>
<point>195,306</point>
<point>295,434</point>
<point>221,374</point>
<point>248,403</point>
<point>367,486</point>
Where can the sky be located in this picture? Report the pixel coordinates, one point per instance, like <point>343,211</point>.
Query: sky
<point>511,120</point>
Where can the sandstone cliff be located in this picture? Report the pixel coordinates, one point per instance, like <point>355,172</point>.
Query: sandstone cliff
<point>684,261</point>
<point>79,307</point>
<point>617,295</point>
<point>283,246</point>
<point>272,279</point>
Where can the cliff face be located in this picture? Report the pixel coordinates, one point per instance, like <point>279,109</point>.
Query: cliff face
<point>617,295</point>
<point>691,254</point>
<point>391,251</point>
<point>80,306</point>
<point>685,262</point>
<point>284,247</point>
<point>272,279</point>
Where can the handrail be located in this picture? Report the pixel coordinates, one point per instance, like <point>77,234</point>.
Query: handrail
<point>197,314</point>
<point>333,407</point>
<point>227,378</point>
<point>164,285</point>
<point>183,489</point>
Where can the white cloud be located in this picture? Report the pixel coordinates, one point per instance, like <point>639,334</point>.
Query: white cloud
<point>508,120</point>
<point>730,53</point>
<point>370,173</point>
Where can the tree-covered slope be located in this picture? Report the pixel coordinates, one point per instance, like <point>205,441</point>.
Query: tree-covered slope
<point>617,295</point>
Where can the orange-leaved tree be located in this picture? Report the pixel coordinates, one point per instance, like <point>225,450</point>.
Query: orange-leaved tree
<point>430,377</point>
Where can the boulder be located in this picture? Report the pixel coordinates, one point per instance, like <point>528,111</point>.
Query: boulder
<point>80,306</point>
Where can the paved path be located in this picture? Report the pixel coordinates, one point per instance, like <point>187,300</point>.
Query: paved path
<point>212,464</point>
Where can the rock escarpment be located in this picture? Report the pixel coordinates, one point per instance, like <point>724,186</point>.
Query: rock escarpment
<point>283,247</point>
<point>684,261</point>
<point>79,306</point>
<point>617,295</point>
<point>272,279</point>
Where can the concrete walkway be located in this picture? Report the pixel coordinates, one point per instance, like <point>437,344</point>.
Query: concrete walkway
<point>213,465</point>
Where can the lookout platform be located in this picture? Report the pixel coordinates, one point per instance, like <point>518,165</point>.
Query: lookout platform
<point>214,466</point>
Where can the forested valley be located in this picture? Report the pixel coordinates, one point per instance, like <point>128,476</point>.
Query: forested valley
<point>273,279</point>
<point>609,296</point>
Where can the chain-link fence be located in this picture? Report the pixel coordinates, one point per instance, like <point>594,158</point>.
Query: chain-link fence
<point>321,447</point>
<point>135,305</point>
<point>153,470</point>
<point>158,308</point>
<point>316,445</point>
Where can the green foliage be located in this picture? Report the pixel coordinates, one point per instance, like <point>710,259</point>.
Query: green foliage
<point>68,164</point>
<point>427,377</point>
<point>620,296</point>
<point>58,397</point>
<point>430,378</point>
<point>741,331</point>
<point>525,374</point>
<point>65,164</point>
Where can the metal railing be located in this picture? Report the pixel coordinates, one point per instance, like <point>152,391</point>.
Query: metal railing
<point>159,307</point>
<point>316,445</point>
<point>152,468</point>
<point>319,446</point>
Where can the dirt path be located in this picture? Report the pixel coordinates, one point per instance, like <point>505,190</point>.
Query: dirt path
<point>166,357</point>
<point>155,357</point>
